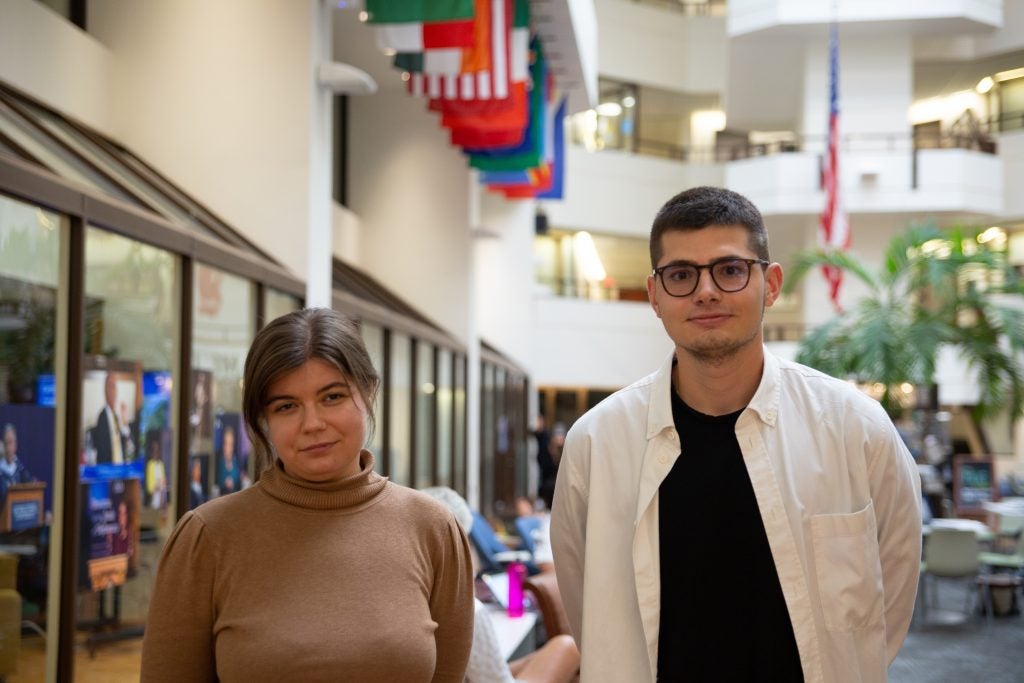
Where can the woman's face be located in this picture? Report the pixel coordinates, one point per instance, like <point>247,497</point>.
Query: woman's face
<point>316,421</point>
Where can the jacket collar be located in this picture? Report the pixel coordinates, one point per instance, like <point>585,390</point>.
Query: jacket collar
<point>659,415</point>
<point>764,404</point>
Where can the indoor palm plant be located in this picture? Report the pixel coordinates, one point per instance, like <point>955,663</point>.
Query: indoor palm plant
<point>934,288</point>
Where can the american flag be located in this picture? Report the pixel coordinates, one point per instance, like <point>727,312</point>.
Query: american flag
<point>835,228</point>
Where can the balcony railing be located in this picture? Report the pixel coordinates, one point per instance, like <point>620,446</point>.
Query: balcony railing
<point>874,142</point>
<point>692,8</point>
<point>967,133</point>
<point>606,290</point>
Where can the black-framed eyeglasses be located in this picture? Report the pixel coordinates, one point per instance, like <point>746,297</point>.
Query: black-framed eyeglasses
<point>729,275</point>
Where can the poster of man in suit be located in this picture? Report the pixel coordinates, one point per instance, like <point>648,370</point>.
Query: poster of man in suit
<point>111,398</point>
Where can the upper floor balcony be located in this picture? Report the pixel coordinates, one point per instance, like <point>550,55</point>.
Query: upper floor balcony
<point>922,17</point>
<point>878,174</point>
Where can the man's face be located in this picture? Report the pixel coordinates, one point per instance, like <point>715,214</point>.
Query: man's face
<point>709,324</point>
<point>110,390</point>
<point>10,444</point>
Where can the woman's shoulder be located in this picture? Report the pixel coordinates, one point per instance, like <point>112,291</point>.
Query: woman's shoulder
<point>418,506</point>
<point>227,509</point>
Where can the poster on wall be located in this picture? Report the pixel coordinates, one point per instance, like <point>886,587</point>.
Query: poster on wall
<point>111,402</point>
<point>200,417</point>
<point>109,531</point>
<point>232,470</point>
<point>155,430</point>
<point>26,445</point>
<point>198,480</point>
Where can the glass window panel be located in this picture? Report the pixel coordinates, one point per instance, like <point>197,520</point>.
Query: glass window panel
<point>504,457</point>
<point>426,393</point>
<point>129,372</point>
<point>401,409</point>
<point>277,303</point>
<point>123,175</point>
<point>1011,103</point>
<point>445,408</point>
<point>487,417</point>
<point>517,431</point>
<point>49,153</point>
<point>459,435</point>
<point>223,325</point>
<point>373,337</point>
<point>30,244</point>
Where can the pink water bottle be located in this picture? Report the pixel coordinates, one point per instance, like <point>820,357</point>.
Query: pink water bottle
<point>516,573</point>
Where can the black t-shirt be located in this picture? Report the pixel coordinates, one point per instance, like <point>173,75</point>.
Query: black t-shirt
<point>723,615</point>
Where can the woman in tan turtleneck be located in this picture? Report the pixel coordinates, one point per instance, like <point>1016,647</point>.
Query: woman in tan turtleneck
<point>323,570</point>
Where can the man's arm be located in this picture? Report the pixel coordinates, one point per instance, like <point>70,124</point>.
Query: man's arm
<point>896,494</point>
<point>569,530</point>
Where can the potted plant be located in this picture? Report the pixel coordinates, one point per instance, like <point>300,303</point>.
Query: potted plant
<point>934,288</point>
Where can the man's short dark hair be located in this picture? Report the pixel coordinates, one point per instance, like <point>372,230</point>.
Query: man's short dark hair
<point>702,207</point>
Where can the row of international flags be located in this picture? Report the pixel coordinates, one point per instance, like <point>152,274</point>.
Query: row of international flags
<point>477,66</point>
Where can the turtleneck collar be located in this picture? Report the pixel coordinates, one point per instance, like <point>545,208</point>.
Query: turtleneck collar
<point>350,494</point>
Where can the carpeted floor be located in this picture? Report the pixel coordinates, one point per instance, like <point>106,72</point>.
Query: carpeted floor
<point>948,649</point>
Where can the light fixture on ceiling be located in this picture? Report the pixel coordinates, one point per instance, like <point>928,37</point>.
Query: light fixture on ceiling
<point>984,85</point>
<point>345,79</point>
<point>609,109</point>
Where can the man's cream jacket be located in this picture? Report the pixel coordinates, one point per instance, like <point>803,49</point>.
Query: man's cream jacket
<point>839,496</point>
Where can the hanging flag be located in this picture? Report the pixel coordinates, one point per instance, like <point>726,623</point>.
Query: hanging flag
<point>418,36</point>
<point>539,181</point>
<point>530,153</point>
<point>487,84</point>
<point>406,11</point>
<point>557,189</point>
<point>478,57</point>
<point>835,226</point>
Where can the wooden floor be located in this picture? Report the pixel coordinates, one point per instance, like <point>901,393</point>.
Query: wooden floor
<point>116,662</point>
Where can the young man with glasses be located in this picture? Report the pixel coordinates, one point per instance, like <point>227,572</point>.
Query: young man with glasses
<point>734,516</point>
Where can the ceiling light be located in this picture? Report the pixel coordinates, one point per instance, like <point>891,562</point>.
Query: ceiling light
<point>609,109</point>
<point>984,85</point>
<point>628,101</point>
<point>587,259</point>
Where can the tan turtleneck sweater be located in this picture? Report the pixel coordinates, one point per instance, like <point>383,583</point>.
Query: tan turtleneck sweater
<point>361,580</point>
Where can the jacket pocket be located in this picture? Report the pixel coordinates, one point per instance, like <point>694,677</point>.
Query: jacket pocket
<point>848,569</point>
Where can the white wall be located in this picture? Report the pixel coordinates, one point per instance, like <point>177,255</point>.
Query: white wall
<point>504,275</point>
<point>661,48</point>
<point>410,189</point>
<point>875,85</point>
<point>51,59</point>
<point>217,96</point>
<point>596,344</point>
<point>618,192</point>
<point>1008,38</point>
